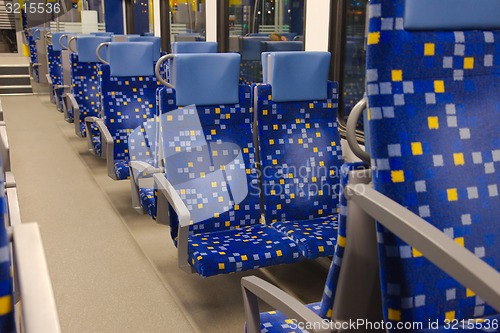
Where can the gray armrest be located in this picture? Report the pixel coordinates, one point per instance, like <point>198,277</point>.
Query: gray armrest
<point>13,206</point>
<point>69,97</point>
<point>255,288</point>
<point>58,92</point>
<point>10,180</point>
<point>138,171</point>
<point>4,147</point>
<point>168,197</point>
<point>49,79</point>
<point>39,313</point>
<point>455,260</point>
<point>107,143</point>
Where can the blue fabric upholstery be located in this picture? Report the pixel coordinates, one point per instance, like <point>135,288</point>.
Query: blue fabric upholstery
<point>155,40</point>
<point>206,78</point>
<point>315,237</point>
<point>86,47</point>
<point>240,249</point>
<point>54,66</point>
<point>210,161</point>
<point>7,321</point>
<point>103,34</point>
<point>300,160</point>
<point>277,322</point>
<point>131,59</point>
<point>33,54</point>
<point>85,88</point>
<point>250,58</point>
<point>458,15</point>
<point>434,109</point>
<point>281,46</point>
<point>194,47</point>
<point>147,197</point>
<point>298,76</point>
<point>127,102</point>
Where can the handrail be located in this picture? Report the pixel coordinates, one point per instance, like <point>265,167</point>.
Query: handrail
<point>158,67</point>
<point>64,47</point>
<point>351,125</point>
<point>74,50</point>
<point>97,52</point>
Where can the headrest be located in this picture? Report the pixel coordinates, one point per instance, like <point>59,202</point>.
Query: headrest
<point>459,15</point>
<point>56,46</point>
<point>188,37</point>
<point>102,34</point>
<point>298,76</point>
<point>265,66</point>
<point>250,47</point>
<point>152,39</point>
<point>282,46</point>
<point>131,59</point>
<point>206,78</point>
<point>86,47</point>
<point>194,47</point>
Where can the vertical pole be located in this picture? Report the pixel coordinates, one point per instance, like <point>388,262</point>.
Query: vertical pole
<point>165,25</point>
<point>223,25</point>
<point>129,16</point>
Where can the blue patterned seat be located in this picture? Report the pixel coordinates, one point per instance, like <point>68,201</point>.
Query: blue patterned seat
<point>128,89</point>
<point>277,322</point>
<point>84,81</point>
<point>54,65</point>
<point>210,163</point>
<point>433,97</point>
<point>300,150</point>
<point>32,35</point>
<point>7,322</point>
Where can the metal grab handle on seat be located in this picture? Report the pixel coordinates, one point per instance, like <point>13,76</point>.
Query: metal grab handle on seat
<point>352,123</point>
<point>97,52</point>
<point>74,50</point>
<point>158,67</point>
<point>36,34</point>
<point>64,47</point>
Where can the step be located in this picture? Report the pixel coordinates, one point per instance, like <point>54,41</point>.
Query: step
<point>15,80</point>
<point>12,90</point>
<point>14,69</point>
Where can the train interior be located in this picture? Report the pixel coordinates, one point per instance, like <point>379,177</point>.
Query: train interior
<point>249,166</point>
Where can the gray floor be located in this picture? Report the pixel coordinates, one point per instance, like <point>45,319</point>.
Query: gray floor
<point>112,269</point>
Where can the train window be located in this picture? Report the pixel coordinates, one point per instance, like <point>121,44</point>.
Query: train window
<point>262,20</point>
<point>187,20</point>
<point>352,76</point>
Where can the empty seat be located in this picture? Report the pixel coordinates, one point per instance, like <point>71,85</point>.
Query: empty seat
<point>433,91</point>
<point>276,321</point>
<point>54,76</point>
<point>84,82</point>
<point>250,50</point>
<point>300,152</point>
<point>210,185</point>
<point>128,89</point>
<point>152,39</point>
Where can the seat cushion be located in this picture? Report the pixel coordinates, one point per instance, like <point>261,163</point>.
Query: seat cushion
<point>147,197</point>
<point>315,238</point>
<point>122,170</point>
<point>240,249</point>
<point>277,322</point>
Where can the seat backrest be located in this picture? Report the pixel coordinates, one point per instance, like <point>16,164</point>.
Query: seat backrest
<point>152,39</point>
<point>299,142</point>
<point>281,46</point>
<point>84,76</point>
<point>250,47</point>
<point>433,96</point>
<point>208,143</point>
<point>128,89</point>
<point>194,47</point>
<point>7,321</point>
<point>327,300</point>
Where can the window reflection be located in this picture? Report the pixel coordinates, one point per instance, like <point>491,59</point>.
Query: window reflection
<point>253,21</point>
<point>353,76</point>
<point>187,20</point>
